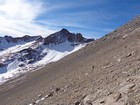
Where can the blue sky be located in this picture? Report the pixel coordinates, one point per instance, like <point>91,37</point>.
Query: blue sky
<point>93,18</point>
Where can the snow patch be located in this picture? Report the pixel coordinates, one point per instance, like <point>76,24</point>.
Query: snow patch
<point>53,54</point>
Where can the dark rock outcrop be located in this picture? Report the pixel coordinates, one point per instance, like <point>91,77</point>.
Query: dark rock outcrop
<point>63,36</point>
<point>26,38</point>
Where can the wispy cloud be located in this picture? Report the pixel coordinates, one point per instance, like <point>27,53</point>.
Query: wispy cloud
<point>17,17</point>
<point>76,14</point>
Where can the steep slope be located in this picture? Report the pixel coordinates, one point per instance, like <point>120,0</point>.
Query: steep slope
<point>105,72</point>
<point>36,52</point>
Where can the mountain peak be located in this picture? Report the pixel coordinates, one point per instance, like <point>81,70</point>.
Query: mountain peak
<point>63,36</point>
<point>64,30</point>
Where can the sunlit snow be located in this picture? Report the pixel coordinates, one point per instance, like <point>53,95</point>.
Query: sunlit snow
<point>53,54</point>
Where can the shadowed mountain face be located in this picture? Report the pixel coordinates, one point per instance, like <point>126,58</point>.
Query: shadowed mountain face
<point>63,36</point>
<point>104,72</point>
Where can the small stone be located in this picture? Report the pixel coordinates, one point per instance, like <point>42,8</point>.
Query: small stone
<point>77,103</point>
<point>40,95</point>
<point>76,90</point>
<point>138,68</point>
<point>125,46</point>
<point>89,103</point>
<point>128,75</point>
<point>33,103</point>
<point>102,102</point>
<point>132,86</point>
<point>86,74</point>
<point>92,67</point>
<point>57,89</point>
<point>88,100</point>
<point>46,96</point>
<point>51,94</point>
<point>129,55</point>
<point>109,93</point>
<point>119,60</point>
<point>118,97</point>
<point>136,91</point>
<point>138,102</point>
<point>129,80</point>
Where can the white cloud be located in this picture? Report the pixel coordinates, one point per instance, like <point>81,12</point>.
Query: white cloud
<point>17,17</point>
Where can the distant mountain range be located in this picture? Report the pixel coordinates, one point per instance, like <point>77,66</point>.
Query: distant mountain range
<point>21,54</point>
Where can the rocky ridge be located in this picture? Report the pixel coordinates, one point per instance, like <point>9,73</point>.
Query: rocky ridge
<point>26,53</point>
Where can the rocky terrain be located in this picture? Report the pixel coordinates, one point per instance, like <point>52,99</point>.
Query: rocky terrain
<point>22,54</point>
<point>104,72</point>
<point>9,41</point>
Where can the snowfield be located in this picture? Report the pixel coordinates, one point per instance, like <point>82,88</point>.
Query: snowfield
<point>43,55</point>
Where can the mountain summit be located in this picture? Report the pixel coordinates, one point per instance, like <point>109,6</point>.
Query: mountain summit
<point>63,36</point>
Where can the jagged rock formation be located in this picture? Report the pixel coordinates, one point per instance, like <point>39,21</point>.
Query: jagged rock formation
<point>65,35</point>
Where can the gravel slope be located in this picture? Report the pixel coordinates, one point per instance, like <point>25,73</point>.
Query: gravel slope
<point>105,72</point>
